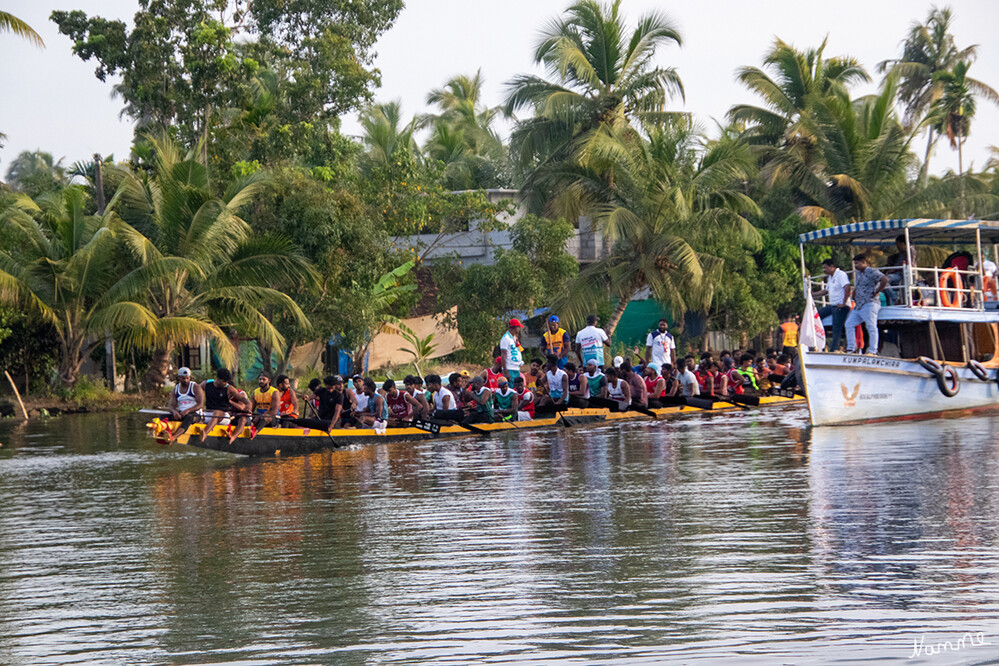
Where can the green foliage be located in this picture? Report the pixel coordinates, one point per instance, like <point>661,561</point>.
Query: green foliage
<point>525,277</point>
<point>279,73</point>
<point>28,347</point>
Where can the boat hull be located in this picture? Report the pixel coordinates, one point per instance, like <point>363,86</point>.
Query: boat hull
<point>299,441</point>
<point>853,388</point>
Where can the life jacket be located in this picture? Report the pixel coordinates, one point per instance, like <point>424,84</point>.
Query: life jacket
<point>262,399</point>
<point>492,378</point>
<point>554,341</point>
<point>527,402</point>
<point>748,380</point>
<point>185,400</point>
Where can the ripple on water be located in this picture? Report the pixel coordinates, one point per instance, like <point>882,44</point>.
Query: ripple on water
<point>735,538</point>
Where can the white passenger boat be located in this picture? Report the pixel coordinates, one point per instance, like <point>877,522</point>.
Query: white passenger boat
<point>938,339</point>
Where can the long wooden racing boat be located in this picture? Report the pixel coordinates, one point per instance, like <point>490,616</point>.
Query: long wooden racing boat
<point>297,441</point>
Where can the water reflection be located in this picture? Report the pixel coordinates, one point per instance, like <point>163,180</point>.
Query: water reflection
<point>737,537</point>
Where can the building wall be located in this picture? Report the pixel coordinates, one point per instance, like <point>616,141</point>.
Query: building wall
<point>477,247</point>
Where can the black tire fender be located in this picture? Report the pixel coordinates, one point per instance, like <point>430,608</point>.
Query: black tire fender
<point>948,381</point>
<point>930,365</point>
<point>978,370</point>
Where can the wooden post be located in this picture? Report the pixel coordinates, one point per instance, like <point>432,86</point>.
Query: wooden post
<point>24,412</point>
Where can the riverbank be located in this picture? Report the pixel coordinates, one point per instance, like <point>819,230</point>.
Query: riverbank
<point>49,406</point>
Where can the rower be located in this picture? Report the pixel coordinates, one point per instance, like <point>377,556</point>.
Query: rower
<point>579,388</point>
<point>617,392</point>
<point>286,399</point>
<point>186,401</point>
<point>376,408</point>
<point>535,375</point>
<point>480,408</point>
<point>262,399</point>
<point>399,408</point>
<point>445,406</point>
<point>557,381</point>
<point>455,388</point>
<point>413,394</point>
<point>655,385</point>
<point>490,376</point>
<point>507,401</point>
<point>748,375</point>
<point>223,399</point>
<point>594,378</point>
<point>526,398</point>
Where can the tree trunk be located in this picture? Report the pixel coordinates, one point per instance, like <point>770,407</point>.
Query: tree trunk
<point>156,376</point>
<point>282,368</point>
<point>960,171</point>
<point>924,172</point>
<point>615,318</point>
<point>265,353</point>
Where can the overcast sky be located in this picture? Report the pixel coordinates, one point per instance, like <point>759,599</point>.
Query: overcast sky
<point>52,101</point>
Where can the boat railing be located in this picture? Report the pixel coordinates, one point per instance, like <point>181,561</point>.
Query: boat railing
<point>925,287</point>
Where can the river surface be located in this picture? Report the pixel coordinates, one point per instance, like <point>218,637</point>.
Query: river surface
<point>737,538</point>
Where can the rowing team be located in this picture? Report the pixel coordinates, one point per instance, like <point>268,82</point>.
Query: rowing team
<point>484,398</point>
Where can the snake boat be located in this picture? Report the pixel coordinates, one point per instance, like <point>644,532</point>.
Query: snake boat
<point>298,441</point>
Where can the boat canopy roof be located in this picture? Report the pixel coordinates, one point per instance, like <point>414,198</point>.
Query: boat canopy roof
<point>921,232</point>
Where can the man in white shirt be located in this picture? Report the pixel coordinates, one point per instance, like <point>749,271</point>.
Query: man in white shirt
<point>510,349</point>
<point>838,289</point>
<point>660,347</point>
<point>590,342</point>
<point>689,380</point>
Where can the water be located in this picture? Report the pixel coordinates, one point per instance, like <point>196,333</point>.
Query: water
<point>741,538</point>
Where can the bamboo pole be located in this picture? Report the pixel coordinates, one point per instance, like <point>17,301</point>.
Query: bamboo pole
<point>24,412</point>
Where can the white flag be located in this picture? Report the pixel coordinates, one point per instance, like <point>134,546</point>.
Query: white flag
<point>813,333</point>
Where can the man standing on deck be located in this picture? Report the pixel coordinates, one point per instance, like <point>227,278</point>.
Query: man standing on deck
<point>838,289</point>
<point>660,347</point>
<point>186,401</point>
<point>510,349</point>
<point>590,342</point>
<point>869,283</point>
<point>555,340</point>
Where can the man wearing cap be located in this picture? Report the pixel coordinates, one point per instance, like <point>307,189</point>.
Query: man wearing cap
<point>555,340</point>
<point>186,401</point>
<point>590,342</point>
<point>510,349</point>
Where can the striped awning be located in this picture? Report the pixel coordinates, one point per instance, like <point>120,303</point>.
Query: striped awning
<point>921,232</point>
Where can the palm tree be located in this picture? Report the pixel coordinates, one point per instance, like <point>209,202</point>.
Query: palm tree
<point>928,50</point>
<point>36,172</point>
<point>384,132</point>
<point>228,279</point>
<point>799,80</point>
<point>673,196</point>
<point>601,77</point>
<point>952,112</point>
<point>10,23</point>
<point>61,266</point>
<point>462,136</point>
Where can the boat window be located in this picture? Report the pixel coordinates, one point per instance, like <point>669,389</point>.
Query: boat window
<point>914,339</point>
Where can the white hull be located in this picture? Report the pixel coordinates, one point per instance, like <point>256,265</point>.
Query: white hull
<point>851,388</point>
